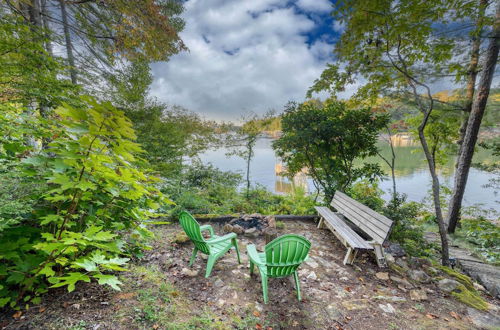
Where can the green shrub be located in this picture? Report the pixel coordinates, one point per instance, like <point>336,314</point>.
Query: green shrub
<point>95,194</point>
<point>406,229</point>
<point>367,193</point>
<point>484,235</point>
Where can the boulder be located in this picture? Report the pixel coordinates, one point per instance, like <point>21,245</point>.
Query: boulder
<point>448,285</point>
<point>419,276</point>
<point>395,249</point>
<point>402,263</point>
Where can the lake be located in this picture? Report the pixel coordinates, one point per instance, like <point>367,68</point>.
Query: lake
<point>412,175</point>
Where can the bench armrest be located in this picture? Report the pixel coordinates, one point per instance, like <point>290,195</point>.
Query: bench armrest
<point>254,255</point>
<point>209,228</point>
<point>221,238</point>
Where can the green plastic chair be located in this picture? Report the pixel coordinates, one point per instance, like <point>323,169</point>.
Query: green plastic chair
<point>215,246</point>
<point>281,258</point>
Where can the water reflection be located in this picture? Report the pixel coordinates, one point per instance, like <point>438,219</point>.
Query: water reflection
<point>411,171</point>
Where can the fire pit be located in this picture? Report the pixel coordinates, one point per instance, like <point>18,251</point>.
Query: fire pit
<point>252,225</point>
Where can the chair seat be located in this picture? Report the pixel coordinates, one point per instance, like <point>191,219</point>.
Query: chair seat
<point>221,246</point>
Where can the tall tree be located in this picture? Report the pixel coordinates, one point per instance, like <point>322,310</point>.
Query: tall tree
<point>474,123</point>
<point>401,47</point>
<point>328,139</point>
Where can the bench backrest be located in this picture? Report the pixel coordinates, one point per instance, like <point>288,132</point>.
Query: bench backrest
<point>374,224</point>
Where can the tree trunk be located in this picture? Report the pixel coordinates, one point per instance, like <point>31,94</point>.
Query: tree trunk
<point>46,26</point>
<point>472,75</point>
<point>69,44</point>
<point>445,257</point>
<point>473,125</point>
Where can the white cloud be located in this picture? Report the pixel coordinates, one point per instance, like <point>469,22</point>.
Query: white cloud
<point>244,56</point>
<point>315,5</point>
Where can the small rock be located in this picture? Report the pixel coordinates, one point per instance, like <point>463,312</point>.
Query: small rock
<point>400,280</point>
<point>228,228</point>
<point>448,285</point>
<point>478,287</point>
<point>238,229</point>
<point>219,283</point>
<point>389,258</point>
<point>387,308</point>
<point>419,276</point>
<point>312,276</point>
<point>251,232</point>
<point>419,262</point>
<point>418,295</point>
<point>221,302</point>
<point>382,276</point>
<point>189,272</point>
<point>271,221</point>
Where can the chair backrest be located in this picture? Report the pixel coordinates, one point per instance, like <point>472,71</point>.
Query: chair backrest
<point>192,229</point>
<point>285,254</point>
<point>374,224</point>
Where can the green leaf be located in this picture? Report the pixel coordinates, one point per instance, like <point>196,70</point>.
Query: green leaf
<point>110,280</point>
<point>70,280</point>
<point>88,265</point>
<point>4,301</point>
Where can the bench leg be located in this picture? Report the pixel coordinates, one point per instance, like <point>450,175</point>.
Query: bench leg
<point>350,256</point>
<point>380,256</point>
<point>320,223</point>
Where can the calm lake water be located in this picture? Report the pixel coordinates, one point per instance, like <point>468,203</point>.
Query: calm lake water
<point>412,175</point>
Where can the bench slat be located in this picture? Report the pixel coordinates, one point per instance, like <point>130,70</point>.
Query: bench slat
<point>363,221</point>
<point>353,239</point>
<point>366,209</point>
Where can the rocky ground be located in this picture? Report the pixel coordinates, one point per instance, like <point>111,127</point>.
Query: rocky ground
<point>161,292</point>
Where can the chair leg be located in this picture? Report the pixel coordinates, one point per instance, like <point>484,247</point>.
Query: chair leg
<point>251,268</point>
<point>210,264</point>
<point>264,287</point>
<point>193,256</point>
<point>297,284</point>
<point>235,244</point>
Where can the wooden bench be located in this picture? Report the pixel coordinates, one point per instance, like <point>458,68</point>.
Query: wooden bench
<point>371,223</point>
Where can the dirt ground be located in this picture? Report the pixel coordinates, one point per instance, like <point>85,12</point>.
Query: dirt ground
<point>161,292</point>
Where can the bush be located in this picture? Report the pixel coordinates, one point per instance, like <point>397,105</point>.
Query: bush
<point>204,189</point>
<point>406,229</point>
<point>484,235</point>
<point>94,195</point>
<point>367,193</point>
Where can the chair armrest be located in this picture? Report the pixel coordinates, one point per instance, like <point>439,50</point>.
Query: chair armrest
<point>254,255</point>
<point>209,228</point>
<point>221,238</point>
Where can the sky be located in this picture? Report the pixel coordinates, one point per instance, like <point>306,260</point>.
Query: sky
<point>246,56</point>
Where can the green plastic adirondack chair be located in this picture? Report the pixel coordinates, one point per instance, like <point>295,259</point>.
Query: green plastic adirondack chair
<point>281,258</point>
<point>214,247</point>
